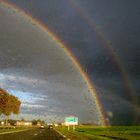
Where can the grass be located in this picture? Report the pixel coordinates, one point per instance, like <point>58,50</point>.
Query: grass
<point>102,133</point>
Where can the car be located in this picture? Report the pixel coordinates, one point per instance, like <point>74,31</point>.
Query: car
<point>50,126</point>
<point>42,127</point>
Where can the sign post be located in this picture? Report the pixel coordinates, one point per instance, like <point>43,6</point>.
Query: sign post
<point>71,121</point>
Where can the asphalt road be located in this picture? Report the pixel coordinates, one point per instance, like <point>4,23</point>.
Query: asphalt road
<point>33,134</point>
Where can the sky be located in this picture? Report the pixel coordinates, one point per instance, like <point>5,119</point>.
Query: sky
<point>104,37</point>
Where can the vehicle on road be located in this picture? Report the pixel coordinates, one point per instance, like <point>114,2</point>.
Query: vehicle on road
<point>42,127</point>
<point>50,126</point>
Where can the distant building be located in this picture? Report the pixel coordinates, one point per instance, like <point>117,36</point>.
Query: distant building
<point>39,124</point>
<point>23,123</point>
<point>63,124</point>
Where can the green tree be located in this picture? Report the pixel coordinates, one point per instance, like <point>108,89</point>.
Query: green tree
<point>34,122</point>
<point>12,122</point>
<point>9,104</point>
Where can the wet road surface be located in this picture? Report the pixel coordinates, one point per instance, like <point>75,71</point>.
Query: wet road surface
<point>33,134</point>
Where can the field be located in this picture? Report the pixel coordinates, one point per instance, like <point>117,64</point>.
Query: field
<point>102,133</point>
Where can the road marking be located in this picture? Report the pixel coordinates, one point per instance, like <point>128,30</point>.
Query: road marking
<point>35,134</point>
<point>10,132</point>
<point>61,134</point>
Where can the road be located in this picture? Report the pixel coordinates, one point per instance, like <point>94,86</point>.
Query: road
<point>33,134</point>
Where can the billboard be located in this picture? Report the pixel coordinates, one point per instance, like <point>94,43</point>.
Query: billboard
<point>71,121</point>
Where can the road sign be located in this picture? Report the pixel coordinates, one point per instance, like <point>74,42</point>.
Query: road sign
<point>71,121</point>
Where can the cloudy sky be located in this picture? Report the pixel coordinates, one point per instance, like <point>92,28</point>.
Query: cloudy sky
<point>103,35</point>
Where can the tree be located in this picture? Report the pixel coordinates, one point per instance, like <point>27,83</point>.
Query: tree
<point>12,122</point>
<point>3,95</point>
<point>9,104</point>
<point>34,122</point>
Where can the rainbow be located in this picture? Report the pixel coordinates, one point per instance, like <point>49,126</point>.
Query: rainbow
<point>106,44</point>
<point>56,39</point>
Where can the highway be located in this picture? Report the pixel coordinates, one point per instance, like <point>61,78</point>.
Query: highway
<point>33,134</point>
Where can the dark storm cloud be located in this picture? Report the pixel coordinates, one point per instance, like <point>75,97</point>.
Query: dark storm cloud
<point>118,21</point>
<point>43,77</point>
<point>121,27</point>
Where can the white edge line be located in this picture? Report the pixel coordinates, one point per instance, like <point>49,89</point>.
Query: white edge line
<point>60,133</point>
<point>10,132</point>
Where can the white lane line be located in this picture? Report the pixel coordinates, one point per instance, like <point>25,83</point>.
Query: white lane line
<point>10,132</point>
<point>61,134</point>
<point>35,134</point>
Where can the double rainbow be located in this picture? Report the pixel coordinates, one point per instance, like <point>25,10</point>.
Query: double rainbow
<point>62,44</point>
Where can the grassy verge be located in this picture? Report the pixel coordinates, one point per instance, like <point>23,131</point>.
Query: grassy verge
<point>101,133</point>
